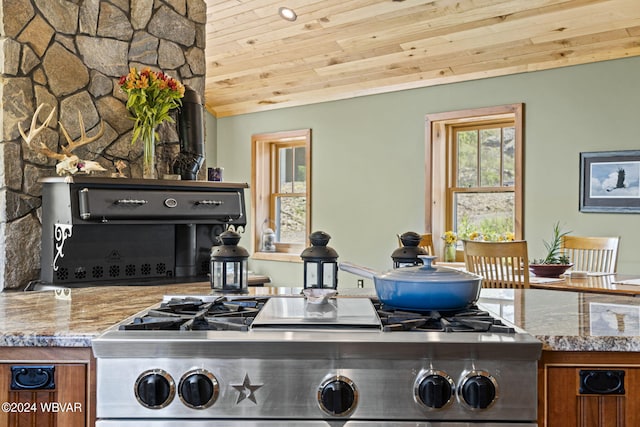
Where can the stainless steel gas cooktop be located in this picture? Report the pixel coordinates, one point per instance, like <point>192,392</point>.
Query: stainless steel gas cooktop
<point>224,360</point>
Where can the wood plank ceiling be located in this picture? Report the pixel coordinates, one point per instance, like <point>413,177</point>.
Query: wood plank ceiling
<point>338,49</point>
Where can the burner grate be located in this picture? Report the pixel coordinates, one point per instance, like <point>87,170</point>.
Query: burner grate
<point>238,312</point>
<point>471,319</point>
<point>194,314</point>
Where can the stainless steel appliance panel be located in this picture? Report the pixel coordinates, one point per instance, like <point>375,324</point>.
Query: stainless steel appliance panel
<point>302,423</point>
<point>288,388</point>
<point>467,369</point>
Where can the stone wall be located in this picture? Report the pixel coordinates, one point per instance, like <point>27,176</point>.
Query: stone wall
<point>69,54</point>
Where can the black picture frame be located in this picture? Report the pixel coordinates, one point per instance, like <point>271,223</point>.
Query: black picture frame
<point>610,181</point>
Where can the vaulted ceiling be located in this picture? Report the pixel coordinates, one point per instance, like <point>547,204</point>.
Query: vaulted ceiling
<point>338,49</point>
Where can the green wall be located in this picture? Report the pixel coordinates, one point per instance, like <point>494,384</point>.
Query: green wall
<point>210,132</point>
<point>368,157</point>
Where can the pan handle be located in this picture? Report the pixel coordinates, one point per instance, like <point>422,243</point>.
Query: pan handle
<point>358,270</point>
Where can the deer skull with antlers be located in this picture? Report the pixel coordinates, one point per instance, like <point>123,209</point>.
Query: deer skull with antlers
<point>68,163</point>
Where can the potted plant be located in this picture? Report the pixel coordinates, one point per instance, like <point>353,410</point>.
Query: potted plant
<point>554,263</point>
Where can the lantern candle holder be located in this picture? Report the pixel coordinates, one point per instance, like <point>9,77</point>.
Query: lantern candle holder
<point>320,263</point>
<point>229,272</point>
<point>408,254</point>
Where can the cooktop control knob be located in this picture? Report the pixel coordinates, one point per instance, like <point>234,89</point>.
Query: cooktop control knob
<point>479,390</point>
<point>338,396</point>
<point>155,389</point>
<point>198,389</point>
<point>434,389</point>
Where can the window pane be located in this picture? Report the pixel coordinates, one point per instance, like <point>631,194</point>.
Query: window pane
<point>490,149</point>
<point>467,146</point>
<point>280,192</point>
<point>300,171</point>
<point>490,214</point>
<point>509,157</point>
<point>285,169</point>
<point>291,219</point>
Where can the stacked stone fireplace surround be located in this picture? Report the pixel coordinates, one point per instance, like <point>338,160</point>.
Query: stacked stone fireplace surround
<point>70,54</point>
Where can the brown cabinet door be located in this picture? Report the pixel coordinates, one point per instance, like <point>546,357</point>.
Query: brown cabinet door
<point>568,407</point>
<point>64,405</point>
<point>565,405</point>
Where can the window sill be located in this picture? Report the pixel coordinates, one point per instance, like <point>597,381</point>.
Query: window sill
<point>277,256</point>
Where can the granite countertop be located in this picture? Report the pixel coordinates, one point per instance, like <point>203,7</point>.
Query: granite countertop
<point>42,318</point>
<point>570,321</point>
<point>563,321</point>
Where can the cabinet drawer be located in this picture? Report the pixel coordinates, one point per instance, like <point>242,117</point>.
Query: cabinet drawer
<point>97,204</point>
<point>589,389</point>
<point>58,402</point>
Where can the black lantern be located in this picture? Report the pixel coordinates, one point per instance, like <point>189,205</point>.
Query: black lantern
<point>407,254</point>
<point>229,265</point>
<point>320,262</point>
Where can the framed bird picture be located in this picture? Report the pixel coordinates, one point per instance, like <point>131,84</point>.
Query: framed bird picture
<point>610,181</point>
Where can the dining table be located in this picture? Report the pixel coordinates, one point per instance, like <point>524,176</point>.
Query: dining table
<point>610,283</point>
<point>606,283</point>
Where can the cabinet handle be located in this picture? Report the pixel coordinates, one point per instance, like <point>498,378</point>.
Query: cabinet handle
<point>601,381</point>
<point>134,202</point>
<point>32,377</point>
<point>210,202</point>
<point>83,204</point>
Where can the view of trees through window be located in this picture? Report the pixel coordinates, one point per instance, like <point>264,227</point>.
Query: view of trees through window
<point>281,193</point>
<point>290,197</point>
<point>483,195</point>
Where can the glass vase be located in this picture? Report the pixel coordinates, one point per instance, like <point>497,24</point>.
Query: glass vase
<point>450,252</point>
<point>149,155</point>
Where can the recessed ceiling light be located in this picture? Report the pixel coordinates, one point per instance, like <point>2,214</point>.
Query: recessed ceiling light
<point>287,13</point>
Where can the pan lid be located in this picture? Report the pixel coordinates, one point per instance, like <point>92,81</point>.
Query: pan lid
<point>428,273</point>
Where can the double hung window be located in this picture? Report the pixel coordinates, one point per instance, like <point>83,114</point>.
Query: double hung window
<point>481,197</point>
<point>281,192</point>
<point>474,173</point>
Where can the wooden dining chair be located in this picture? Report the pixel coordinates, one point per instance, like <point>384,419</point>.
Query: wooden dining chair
<point>501,264</point>
<point>592,254</point>
<point>426,242</point>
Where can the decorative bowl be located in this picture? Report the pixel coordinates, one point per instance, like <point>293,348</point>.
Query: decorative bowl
<point>549,270</point>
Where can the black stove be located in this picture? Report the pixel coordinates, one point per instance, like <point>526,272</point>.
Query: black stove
<point>105,231</point>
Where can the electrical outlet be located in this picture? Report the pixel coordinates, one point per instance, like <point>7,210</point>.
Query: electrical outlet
<point>360,283</point>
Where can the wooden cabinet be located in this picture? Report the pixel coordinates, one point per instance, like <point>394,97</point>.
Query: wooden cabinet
<point>564,401</point>
<point>67,400</point>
